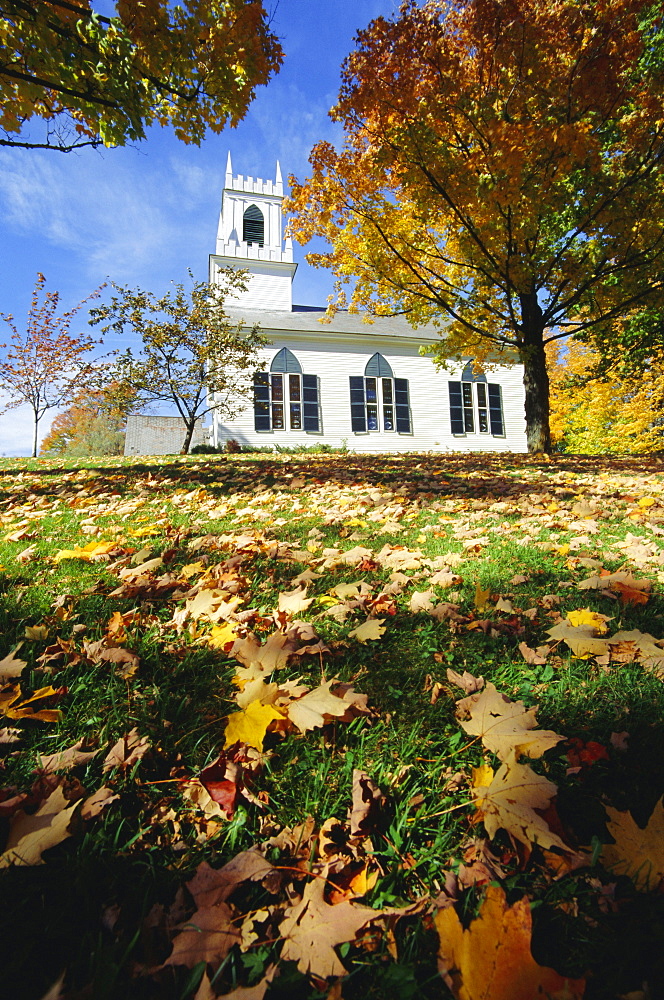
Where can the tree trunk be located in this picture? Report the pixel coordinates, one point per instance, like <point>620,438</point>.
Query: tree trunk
<point>190,425</point>
<point>34,437</point>
<point>535,376</point>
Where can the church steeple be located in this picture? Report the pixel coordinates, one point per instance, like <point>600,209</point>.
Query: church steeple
<point>249,237</point>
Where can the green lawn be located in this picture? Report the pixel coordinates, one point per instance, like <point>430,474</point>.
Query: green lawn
<point>152,599</point>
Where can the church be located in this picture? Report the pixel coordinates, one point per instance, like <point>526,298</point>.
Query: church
<point>346,383</point>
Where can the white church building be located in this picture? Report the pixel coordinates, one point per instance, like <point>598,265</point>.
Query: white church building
<point>365,386</point>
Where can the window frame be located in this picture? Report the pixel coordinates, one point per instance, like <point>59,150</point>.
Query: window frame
<point>378,401</point>
<point>286,402</point>
<point>472,404</point>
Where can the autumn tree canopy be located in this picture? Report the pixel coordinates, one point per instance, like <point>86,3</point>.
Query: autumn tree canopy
<point>92,79</point>
<point>94,423</point>
<point>602,412</point>
<point>501,175</point>
<point>45,365</point>
<point>193,356</point>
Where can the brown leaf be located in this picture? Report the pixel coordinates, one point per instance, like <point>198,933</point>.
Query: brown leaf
<point>466,681</point>
<point>637,852</point>
<point>11,666</point>
<point>506,727</point>
<point>508,800</point>
<point>311,928</point>
<point>63,760</point>
<point>317,707</point>
<point>97,802</point>
<point>127,751</point>
<point>31,835</point>
<point>294,601</point>
<point>207,936</point>
<point>372,628</point>
<point>369,802</point>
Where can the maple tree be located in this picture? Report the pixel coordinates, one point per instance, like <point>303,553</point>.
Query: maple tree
<point>192,355</point>
<point>46,365</point>
<point>500,176</point>
<point>599,412</point>
<point>91,79</point>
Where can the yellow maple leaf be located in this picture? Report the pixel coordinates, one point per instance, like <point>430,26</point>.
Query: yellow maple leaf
<point>481,597</point>
<point>221,635</point>
<point>85,552</point>
<point>492,960</point>
<point>251,724</point>
<point>584,616</point>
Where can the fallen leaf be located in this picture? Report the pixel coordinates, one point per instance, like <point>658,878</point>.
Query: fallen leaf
<point>207,936</point>
<point>31,835</point>
<point>481,597</point>
<point>126,752</point>
<point>466,681</point>
<point>251,724</point>
<point>294,601</point>
<point>509,803</point>
<point>368,811</point>
<point>11,666</point>
<point>492,960</point>
<point>317,707</point>
<point>637,852</point>
<point>372,628</point>
<point>63,760</point>
<point>581,639</point>
<point>506,727</point>
<point>311,928</point>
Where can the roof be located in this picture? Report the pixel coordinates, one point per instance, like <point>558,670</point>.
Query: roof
<point>307,319</point>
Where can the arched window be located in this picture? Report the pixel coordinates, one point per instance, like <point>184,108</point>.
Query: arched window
<point>286,362</point>
<point>253,226</point>
<point>378,400</point>
<point>284,398</point>
<point>476,403</point>
<point>378,367</point>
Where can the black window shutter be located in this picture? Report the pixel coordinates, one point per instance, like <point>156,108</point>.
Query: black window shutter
<point>358,413</point>
<point>456,408</point>
<point>262,401</point>
<point>496,410</point>
<point>310,419</point>
<point>402,405</point>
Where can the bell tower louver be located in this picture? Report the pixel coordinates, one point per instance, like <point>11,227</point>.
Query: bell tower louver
<point>249,237</point>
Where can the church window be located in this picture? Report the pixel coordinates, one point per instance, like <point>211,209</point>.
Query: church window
<point>378,400</point>
<point>253,226</point>
<point>476,406</point>
<point>284,398</point>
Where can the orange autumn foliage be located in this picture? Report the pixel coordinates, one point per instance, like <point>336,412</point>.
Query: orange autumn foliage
<point>499,176</point>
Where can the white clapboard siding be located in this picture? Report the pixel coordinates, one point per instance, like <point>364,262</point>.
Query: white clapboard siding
<point>334,356</point>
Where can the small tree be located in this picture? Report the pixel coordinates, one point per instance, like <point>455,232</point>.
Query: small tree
<point>193,355</point>
<point>45,366</point>
<point>94,424</point>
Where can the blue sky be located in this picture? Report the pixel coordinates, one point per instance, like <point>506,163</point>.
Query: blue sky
<point>143,215</point>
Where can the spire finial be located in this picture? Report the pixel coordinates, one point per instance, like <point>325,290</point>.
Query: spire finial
<point>229,170</point>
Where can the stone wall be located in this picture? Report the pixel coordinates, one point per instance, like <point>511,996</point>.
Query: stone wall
<point>148,435</point>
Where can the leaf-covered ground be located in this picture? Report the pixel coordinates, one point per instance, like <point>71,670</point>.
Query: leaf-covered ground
<point>332,726</point>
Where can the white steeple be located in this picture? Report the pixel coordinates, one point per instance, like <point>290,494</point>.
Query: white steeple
<point>249,237</point>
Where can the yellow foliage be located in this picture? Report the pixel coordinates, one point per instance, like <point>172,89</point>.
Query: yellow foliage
<point>598,416</point>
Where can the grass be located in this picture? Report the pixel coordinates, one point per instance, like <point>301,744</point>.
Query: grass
<point>98,909</point>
